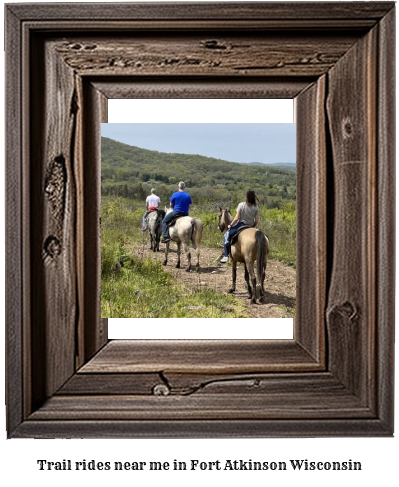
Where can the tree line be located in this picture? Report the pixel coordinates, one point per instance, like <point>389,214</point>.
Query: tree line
<point>131,172</point>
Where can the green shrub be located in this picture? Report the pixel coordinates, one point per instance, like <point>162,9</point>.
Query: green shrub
<point>279,224</point>
<point>133,287</point>
<point>143,289</point>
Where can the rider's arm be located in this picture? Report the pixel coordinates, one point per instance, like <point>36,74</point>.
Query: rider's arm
<point>235,220</point>
<point>256,219</point>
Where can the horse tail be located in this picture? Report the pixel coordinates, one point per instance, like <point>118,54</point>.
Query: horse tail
<point>261,254</point>
<point>196,231</point>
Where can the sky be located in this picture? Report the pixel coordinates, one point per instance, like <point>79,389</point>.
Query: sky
<point>234,142</point>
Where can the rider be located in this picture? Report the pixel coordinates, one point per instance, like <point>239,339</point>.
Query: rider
<point>152,203</point>
<point>180,202</point>
<point>247,214</point>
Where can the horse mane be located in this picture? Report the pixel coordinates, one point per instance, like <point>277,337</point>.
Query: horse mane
<point>226,215</point>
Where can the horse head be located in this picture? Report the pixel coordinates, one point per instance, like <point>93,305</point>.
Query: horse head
<point>224,218</point>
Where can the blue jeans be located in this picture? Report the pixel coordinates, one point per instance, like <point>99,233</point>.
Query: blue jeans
<point>228,236</point>
<point>167,219</point>
<point>144,222</point>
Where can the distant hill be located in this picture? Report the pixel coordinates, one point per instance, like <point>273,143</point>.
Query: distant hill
<point>289,166</point>
<point>132,171</point>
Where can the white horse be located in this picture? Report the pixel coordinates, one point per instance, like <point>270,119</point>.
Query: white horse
<point>185,229</point>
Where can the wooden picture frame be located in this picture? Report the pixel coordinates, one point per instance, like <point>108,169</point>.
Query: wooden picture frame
<point>335,378</point>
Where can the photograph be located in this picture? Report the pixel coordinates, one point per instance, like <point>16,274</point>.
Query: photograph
<point>198,220</point>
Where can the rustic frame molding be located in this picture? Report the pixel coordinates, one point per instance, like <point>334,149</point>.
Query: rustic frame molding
<point>64,379</point>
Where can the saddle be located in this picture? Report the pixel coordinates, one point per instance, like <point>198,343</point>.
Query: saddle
<point>233,240</point>
<point>173,221</point>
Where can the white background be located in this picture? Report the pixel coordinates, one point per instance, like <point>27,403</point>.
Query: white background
<point>379,456</point>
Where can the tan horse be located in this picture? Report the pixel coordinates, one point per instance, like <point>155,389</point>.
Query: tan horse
<point>251,245</point>
<point>185,229</point>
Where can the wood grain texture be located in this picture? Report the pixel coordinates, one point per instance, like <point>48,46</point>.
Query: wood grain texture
<point>53,245</point>
<point>200,356</point>
<point>112,384</point>
<point>352,128</point>
<point>203,407</point>
<point>15,257</point>
<point>83,54</point>
<point>269,396</point>
<point>184,384</point>
<point>311,219</point>
<point>385,245</point>
<point>175,87</point>
<point>119,428</point>
<point>95,330</point>
<point>240,55</point>
<point>208,11</point>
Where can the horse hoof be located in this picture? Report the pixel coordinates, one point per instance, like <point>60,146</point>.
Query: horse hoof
<point>188,269</point>
<point>231,291</point>
<point>177,266</point>
<point>164,262</point>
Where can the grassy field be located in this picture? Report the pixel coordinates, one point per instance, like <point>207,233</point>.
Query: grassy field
<point>131,287</point>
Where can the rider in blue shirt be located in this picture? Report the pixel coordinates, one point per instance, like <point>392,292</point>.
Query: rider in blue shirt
<point>180,202</point>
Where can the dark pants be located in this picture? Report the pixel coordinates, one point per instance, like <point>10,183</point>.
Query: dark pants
<point>167,219</point>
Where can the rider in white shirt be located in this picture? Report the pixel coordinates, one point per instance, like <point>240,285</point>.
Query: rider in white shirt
<point>152,203</point>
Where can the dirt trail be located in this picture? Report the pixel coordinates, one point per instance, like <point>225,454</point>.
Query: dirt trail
<point>280,283</point>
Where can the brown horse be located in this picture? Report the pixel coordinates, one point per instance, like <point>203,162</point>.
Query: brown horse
<point>251,245</point>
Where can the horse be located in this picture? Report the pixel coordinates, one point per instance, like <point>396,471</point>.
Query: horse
<point>185,229</point>
<point>154,225</point>
<point>251,245</point>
